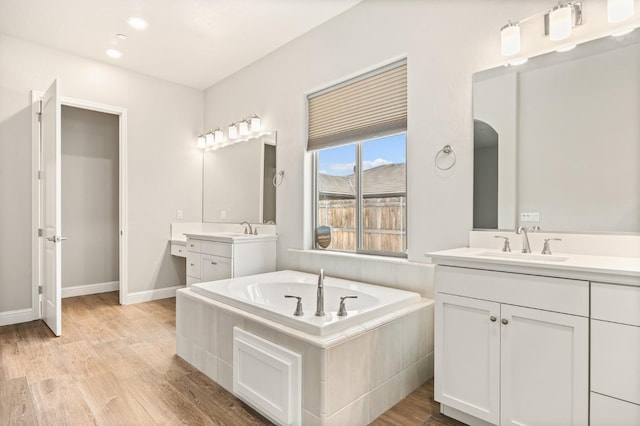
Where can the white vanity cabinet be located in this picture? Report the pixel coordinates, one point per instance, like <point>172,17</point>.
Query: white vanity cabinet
<point>211,258</point>
<point>615,354</point>
<point>511,348</point>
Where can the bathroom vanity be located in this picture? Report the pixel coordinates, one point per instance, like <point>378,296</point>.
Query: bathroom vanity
<point>537,339</point>
<point>222,255</point>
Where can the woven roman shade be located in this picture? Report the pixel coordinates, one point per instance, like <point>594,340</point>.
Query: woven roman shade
<point>373,105</point>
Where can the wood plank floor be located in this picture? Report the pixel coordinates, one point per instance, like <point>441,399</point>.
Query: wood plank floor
<point>116,365</point>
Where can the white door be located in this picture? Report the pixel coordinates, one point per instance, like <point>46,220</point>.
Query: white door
<point>545,367</point>
<point>467,355</point>
<point>50,187</point>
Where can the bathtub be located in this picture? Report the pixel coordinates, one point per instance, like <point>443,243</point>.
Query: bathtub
<point>263,295</point>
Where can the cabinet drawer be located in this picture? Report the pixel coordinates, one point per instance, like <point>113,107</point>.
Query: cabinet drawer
<point>193,245</point>
<point>548,293</point>
<point>215,248</point>
<point>215,268</point>
<point>607,411</point>
<point>618,303</point>
<point>193,265</point>
<point>615,360</point>
<point>179,250</point>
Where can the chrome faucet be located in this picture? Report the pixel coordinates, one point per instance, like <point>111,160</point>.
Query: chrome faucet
<point>320,298</point>
<point>525,239</point>
<point>245,228</point>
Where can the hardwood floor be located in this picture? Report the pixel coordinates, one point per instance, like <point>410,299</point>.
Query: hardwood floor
<point>116,365</point>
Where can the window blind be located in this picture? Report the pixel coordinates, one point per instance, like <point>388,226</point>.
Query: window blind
<point>366,107</point>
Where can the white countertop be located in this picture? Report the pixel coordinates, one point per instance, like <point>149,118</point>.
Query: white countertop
<point>231,237</point>
<point>614,269</point>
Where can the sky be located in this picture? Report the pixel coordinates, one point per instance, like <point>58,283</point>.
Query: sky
<point>339,161</point>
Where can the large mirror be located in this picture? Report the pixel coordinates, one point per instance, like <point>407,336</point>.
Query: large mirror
<point>237,182</point>
<point>557,140</point>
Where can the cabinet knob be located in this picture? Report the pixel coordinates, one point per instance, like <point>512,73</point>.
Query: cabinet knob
<point>214,263</point>
<point>505,321</point>
<point>492,318</point>
<point>193,264</point>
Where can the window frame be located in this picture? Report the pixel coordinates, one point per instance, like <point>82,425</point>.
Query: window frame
<point>359,201</point>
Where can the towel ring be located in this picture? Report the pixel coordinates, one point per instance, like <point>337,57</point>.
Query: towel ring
<point>446,151</point>
<point>275,178</point>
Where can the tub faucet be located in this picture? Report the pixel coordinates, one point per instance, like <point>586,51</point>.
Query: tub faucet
<point>245,228</point>
<point>320,298</point>
<point>525,239</point>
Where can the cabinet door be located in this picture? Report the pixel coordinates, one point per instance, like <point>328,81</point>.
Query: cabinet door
<point>545,367</point>
<point>215,268</point>
<point>467,355</point>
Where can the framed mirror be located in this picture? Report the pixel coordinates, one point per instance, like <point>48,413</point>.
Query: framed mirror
<point>557,140</point>
<point>237,182</point>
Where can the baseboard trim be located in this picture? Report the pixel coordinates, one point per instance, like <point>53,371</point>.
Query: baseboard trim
<point>149,295</point>
<point>83,290</point>
<point>16,317</point>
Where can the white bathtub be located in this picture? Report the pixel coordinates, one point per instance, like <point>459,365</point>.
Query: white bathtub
<point>263,295</point>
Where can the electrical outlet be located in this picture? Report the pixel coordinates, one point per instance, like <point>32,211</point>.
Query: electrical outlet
<point>179,214</point>
<point>223,214</point>
<point>530,217</point>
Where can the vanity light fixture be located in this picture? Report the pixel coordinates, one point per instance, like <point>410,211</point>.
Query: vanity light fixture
<point>218,136</point>
<point>560,22</point>
<point>619,10</point>
<point>255,123</point>
<point>233,131</point>
<point>510,39</point>
<point>243,128</point>
<point>201,141</point>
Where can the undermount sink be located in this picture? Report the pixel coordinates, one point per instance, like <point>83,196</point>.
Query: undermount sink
<point>524,256</point>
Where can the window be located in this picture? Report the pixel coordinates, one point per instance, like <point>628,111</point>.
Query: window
<point>357,131</point>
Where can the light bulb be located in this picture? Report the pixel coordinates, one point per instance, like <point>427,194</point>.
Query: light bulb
<point>560,22</point>
<point>510,39</point>
<point>209,138</point>
<point>243,128</point>
<point>255,124</point>
<point>233,131</point>
<point>201,141</point>
<point>218,136</point>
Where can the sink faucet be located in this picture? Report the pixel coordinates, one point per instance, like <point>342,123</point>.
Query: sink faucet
<point>525,239</point>
<point>245,229</point>
<point>320,298</point>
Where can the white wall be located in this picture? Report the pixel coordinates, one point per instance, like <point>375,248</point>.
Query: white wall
<point>164,166</point>
<point>89,197</point>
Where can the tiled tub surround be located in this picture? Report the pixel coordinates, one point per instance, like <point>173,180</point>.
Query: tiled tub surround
<point>349,377</point>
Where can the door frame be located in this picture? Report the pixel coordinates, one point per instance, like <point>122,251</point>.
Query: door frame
<point>36,201</point>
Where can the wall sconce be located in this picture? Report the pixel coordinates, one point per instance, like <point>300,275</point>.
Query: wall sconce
<point>255,123</point>
<point>619,10</point>
<point>243,128</point>
<point>233,131</point>
<point>510,39</point>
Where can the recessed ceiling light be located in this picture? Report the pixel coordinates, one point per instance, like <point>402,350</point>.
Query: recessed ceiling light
<point>137,23</point>
<point>113,53</point>
<point>121,36</point>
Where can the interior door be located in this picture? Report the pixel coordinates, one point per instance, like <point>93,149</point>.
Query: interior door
<point>51,213</point>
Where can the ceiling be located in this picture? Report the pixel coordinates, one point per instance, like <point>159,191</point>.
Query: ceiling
<point>191,42</point>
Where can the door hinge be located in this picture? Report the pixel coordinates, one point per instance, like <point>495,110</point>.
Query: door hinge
<point>40,232</point>
<point>39,174</point>
<point>39,289</point>
<point>39,115</point>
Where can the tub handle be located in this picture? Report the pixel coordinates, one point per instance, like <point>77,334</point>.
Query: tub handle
<point>342,311</point>
<point>298,311</point>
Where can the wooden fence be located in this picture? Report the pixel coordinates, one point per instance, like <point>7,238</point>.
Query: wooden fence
<point>384,223</point>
